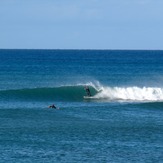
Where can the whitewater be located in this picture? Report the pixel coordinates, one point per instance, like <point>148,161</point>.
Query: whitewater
<point>131,93</point>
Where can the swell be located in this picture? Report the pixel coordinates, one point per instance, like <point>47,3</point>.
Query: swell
<point>76,93</point>
<point>63,93</point>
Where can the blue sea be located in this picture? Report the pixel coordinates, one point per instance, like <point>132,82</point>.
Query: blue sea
<point>122,122</point>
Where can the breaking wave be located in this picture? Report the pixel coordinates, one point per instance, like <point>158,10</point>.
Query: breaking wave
<point>76,93</point>
<point>131,93</point>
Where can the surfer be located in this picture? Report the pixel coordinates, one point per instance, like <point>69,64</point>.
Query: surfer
<point>52,106</point>
<point>87,90</point>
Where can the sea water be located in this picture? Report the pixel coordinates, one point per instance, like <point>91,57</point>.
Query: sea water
<point>121,122</point>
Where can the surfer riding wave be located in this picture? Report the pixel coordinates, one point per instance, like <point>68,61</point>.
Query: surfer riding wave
<point>87,91</point>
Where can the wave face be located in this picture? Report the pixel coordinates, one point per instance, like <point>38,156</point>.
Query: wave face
<point>63,93</point>
<point>76,93</point>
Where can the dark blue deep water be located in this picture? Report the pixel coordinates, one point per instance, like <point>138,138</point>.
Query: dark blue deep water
<point>122,121</point>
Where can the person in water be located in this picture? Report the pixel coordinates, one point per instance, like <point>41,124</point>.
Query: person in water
<point>52,106</point>
<point>87,90</point>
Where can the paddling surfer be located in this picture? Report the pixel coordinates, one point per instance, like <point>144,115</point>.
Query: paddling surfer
<point>53,106</point>
<point>87,90</point>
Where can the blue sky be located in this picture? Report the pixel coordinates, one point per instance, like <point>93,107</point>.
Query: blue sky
<point>81,24</point>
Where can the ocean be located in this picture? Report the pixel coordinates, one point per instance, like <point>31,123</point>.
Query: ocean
<point>122,122</point>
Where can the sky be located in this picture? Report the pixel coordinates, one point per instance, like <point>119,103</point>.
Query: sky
<point>81,24</point>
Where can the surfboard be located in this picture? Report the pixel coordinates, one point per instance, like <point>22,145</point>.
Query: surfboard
<point>87,97</point>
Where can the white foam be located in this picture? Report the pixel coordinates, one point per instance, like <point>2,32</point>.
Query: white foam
<point>131,93</point>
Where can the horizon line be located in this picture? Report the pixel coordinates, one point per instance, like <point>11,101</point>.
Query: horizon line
<point>81,49</point>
